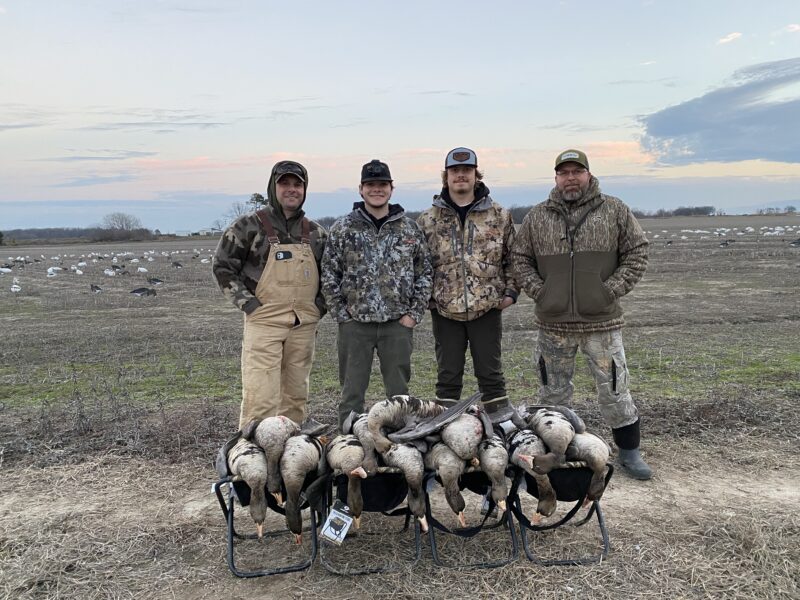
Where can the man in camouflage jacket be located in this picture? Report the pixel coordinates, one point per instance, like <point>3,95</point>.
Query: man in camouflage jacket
<point>376,278</point>
<point>470,238</point>
<point>576,254</point>
<point>267,264</point>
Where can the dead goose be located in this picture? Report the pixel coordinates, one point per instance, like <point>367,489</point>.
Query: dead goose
<point>463,436</point>
<point>247,461</point>
<point>360,429</point>
<point>395,413</point>
<point>346,454</point>
<point>271,434</point>
<point>595,452</point>
<point>408,459</point>
<point>449,467</point>
<point>556,431</point>
<point>301,455</point>
<point>493,458</point>
<point>524,447</point>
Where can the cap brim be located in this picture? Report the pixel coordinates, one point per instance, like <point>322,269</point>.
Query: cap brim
<point>282,175</point>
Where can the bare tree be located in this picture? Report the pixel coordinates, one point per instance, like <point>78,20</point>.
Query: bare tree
<point>121,222</point>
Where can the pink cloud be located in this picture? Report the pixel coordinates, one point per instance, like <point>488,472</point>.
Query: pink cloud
<point>729,38</point>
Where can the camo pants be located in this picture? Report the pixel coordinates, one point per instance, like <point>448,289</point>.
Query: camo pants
<point>555,362</point>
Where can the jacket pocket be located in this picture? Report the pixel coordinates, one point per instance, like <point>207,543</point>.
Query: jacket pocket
<point>553,298</point>
<point>592,297</point>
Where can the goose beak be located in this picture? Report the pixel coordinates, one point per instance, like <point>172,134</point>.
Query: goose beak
<point>462,521</point>
<point>501,504</point>
<point>359,471</point>
<point>298,538</point>
<point>475,462</point>
<point>279,497</point>
<point>260,530</point>
<point>527,458</point>
<point>536,519</point>
<point>357,521</point>
<point>423,524</point>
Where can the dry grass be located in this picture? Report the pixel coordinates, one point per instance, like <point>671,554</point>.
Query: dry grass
<point>111,408</point>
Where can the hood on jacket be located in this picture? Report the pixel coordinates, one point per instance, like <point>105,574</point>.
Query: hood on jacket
<point>481,191</point>
<point>272,195</point>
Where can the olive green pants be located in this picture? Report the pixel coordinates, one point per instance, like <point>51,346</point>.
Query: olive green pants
<point>357,343</point>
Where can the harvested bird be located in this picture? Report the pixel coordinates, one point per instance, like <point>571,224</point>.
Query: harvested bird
<point>247,462</point>
<point>346,454</point>
<point>449,467</point>
<point>154,281</point>
<point>142,291</point>
<point>301,455</point>
<point>360,429</point>
<point>523,447</point>
<point>595,452</point>
<point>408,459</point>
<point>395,413</point>
<point>493,458</point>
<point>271,434</point>
<point>176,264</point>
<point>556,431</point>
<point>96,289</point>
<point>463,436</point>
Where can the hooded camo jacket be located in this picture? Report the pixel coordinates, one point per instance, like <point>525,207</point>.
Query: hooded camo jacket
<point>242,252</point>
<point>376,275</point>
<point>576,259</point>
<point>471,267</point>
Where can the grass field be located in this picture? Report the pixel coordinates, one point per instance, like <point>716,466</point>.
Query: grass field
<point>112,407</point>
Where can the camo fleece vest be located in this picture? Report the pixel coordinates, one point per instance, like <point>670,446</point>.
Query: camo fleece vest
<point>242,253</point>
<point>471,269</point>
<point>373,275</point>
<point>576,259</point>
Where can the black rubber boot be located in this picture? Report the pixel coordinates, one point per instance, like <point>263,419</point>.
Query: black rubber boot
<point>500,409</point>
<point>630,459</point>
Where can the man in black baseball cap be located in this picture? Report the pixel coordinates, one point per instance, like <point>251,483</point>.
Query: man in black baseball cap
<point>376,275</point>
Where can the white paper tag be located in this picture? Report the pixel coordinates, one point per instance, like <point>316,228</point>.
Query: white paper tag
<point>337,524</point>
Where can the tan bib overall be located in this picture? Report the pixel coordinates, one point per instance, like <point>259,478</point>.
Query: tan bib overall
<point>278,343</point>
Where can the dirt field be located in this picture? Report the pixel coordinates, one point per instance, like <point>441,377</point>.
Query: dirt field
<point>112,407</point>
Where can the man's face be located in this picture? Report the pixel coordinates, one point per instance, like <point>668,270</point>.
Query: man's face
<point>290,192</point>
<point>461,179</point>
<point>376,193</point>
<point>572,180</point>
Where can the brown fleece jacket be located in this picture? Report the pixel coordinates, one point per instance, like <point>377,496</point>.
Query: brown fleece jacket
<point>576,259</point>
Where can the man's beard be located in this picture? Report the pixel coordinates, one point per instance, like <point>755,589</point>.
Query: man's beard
<point>572,196</point>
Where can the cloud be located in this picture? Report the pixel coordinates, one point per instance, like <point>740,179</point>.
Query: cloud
<point>94,180</point>
<point>793,28</point>
<point>666,81</point>
<point>444,93</point>
<point>101,155</point>
<point>12,126</point>
<point>729,38</point>
<point>742,121</point>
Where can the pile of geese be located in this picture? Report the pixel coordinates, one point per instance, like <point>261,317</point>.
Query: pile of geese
<point>415,436</point>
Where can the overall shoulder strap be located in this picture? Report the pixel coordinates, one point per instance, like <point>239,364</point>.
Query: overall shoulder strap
<point>267,226</point>
<point>306,231</point>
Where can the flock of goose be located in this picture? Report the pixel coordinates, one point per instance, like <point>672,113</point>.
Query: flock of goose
<point>414,437</point>
<point>120,264</point>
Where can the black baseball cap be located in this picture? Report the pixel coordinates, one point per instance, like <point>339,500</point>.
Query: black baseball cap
<point>375,170</point>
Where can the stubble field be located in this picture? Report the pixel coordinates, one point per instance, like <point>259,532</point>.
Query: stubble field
<point>113,405</point>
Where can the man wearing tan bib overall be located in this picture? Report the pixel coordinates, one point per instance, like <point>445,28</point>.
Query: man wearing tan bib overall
<point>268,263</point>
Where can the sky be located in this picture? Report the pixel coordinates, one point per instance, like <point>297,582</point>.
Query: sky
<point>174,110</point>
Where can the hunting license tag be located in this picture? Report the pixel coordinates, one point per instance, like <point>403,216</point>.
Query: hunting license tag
<point>337,524</point>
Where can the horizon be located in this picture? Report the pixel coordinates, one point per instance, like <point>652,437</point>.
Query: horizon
<point>176,130</point>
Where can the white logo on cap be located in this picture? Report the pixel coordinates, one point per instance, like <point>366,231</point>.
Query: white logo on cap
<point>567,155</point>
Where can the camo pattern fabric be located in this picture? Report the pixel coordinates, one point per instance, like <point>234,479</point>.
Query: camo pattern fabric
<point>471,267</point>
<point>372,275</point>
<point>242,253</point>
<point>576,259</point>
<point>554,357</point>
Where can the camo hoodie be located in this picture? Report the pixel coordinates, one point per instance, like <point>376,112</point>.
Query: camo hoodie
<point>242,252</point>
<point>470,261</point>
<point>376,275</point>
<point>576,259</point>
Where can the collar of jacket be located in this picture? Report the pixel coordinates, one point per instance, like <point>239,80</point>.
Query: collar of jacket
<point>276,211</point>
<point>360,212</point>
<point>482,199</point>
